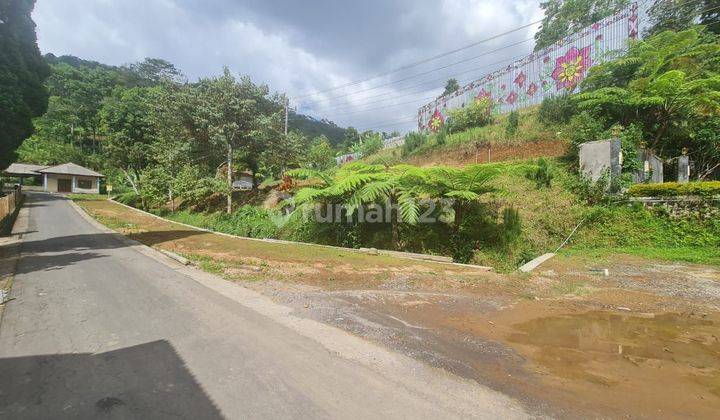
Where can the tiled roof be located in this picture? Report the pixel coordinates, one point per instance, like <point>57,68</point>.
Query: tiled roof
<point>70,169</point>
<point>24,169</point>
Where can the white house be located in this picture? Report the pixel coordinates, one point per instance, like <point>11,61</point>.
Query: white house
<point>65,178</point>
<point>70,178</point>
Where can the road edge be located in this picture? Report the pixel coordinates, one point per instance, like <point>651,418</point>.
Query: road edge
<point>13,244</point>
<point>477,400</point>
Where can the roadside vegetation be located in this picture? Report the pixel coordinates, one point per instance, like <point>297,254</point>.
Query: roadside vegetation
<point>500,189</point>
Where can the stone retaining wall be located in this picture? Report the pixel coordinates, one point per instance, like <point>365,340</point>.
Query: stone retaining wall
<point>686,207</point>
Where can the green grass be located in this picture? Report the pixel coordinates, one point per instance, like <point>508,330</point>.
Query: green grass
<point>696,255</point>
<point>87,197</point>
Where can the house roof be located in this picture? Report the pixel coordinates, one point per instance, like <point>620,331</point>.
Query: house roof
<point>24,169</point>
<point>70,169</point>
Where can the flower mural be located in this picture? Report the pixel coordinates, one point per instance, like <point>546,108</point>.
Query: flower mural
<point>558,68</point>
<point>483,94</point>
<point>436,121</point>
<point>570,68</point>
<point>532,89</point>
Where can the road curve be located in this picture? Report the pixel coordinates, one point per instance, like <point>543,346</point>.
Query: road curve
<point>98,329</point>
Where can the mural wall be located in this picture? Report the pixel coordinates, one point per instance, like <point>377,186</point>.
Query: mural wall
<point>555,70</point>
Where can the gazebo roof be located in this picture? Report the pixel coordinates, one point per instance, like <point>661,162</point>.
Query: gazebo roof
<point>24,169</point>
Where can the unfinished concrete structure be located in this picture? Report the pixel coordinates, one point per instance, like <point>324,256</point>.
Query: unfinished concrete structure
<point>651,167</point>
<point>599,158</point>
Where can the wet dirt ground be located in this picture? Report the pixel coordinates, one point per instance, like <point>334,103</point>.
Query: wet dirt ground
<point>642,342</point>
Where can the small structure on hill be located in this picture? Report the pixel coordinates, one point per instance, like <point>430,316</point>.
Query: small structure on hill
<point>651,167</point>
<point>601,158</point>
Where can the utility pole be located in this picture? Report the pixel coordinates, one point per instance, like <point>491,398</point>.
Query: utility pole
<point>287,105</point>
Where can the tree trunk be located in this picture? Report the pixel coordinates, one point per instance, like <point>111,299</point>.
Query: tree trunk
<point>172,202</point>
<point>458,218</point>
<point>229,179</point>
<point>394,228</point>
<point>132,183</point>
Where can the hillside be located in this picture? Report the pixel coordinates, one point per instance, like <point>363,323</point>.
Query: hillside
<point>143,74</point>
<point>312,127</point>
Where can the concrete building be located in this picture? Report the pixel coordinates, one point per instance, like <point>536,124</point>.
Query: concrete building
<point>70,178</point>
<point>65,178</point>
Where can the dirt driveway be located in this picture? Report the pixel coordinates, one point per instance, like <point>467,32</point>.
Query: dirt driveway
<point>642,341</point>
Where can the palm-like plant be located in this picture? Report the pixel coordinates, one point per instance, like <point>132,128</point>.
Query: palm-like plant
<point>461,186</point>
<point>399,187</point>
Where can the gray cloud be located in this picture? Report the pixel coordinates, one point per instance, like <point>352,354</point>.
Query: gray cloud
<point>299,46</point>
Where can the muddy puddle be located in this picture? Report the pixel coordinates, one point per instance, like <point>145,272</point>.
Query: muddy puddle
<point>640,365</point>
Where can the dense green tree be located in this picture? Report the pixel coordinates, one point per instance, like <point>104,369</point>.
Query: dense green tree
<point>451,86</point>
<point>673,15</point>
<point>126,117</point>
<point>22,73</point>
<point>321,155</point>
<point>666,84</point>
<point>565,17</point>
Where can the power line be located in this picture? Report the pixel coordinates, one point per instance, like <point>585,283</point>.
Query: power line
<point>417,63</point>
<point>426,72</point>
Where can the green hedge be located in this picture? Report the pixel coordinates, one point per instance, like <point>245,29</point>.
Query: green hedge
<point>673,189</point>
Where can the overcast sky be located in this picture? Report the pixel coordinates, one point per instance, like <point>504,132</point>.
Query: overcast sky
<point>300,47</point>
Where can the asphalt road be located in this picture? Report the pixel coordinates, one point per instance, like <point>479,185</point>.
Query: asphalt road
<point>99,329</point>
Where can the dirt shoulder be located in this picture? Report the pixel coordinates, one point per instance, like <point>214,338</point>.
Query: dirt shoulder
<point>568,340</point>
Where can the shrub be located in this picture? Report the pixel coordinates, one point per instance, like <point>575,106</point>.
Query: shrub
<point>674,189</point>
<point>413,141</point>
<point>512,123</point>
<point>128,198</point>
<point>556,110</point>
<point>476,114</point>
<point>542,174</point>
<point>371,145</point>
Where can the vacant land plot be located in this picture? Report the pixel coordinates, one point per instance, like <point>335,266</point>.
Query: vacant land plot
<point>570,340</point>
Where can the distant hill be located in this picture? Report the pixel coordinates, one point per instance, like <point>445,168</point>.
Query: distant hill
<point>307,125</point>
<point>312,127</point>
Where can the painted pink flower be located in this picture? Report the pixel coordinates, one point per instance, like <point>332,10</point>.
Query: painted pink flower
<point>571,68</point>
<point>436,121</point>
<point>484,94</point>
<point>532,89</point>
<point>596,26</point>
<point>546,59</point>
<point>599,37</point>
<point>512,97</point>
<point>520,79</point>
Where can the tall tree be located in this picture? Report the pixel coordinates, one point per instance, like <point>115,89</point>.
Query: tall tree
<point>22,73</point>
<point>672,15</point>
<point>451,86</point>
<point>229,115</point>
<point>126,117</point>
<point>565,17</point>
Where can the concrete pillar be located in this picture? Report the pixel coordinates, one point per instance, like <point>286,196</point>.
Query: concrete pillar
<point>684,167</point>
<point>44,182</point>
<point>74,184</point>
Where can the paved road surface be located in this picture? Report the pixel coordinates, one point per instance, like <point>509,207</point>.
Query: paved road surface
<point>98,329</point>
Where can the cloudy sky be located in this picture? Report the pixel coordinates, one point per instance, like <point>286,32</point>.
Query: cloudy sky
<point>303,48</point>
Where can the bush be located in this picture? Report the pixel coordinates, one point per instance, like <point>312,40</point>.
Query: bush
<point>476,114</point>
<point>512,123</point>
<point>542,174</point>
<point>128,198</point>
<point>371,145</point>
<point>674,189</point>
<point>413,141</point>
<point>556,110</point>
